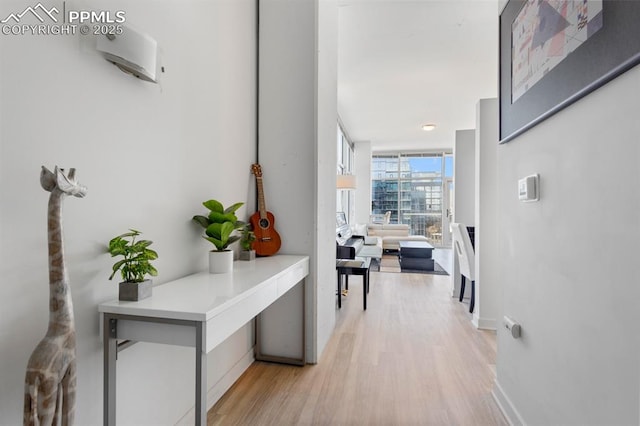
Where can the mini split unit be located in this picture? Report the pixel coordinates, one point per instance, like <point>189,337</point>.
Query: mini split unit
<point>132,51</point>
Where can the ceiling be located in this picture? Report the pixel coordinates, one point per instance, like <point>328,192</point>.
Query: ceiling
<point>402,64</point>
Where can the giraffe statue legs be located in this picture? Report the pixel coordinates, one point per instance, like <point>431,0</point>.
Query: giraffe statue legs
<point>50,385</point>
<point>69,394</point>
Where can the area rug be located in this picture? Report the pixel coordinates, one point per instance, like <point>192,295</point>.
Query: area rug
<point>390,263</point>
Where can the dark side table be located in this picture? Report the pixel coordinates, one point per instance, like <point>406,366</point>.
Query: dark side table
<point>357,266</point>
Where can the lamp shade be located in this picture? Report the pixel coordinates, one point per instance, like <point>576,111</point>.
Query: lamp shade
<point>346,182</point>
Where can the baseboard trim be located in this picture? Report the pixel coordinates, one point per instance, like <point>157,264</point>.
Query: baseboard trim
<point>506,406</point>
<point>216,391</point>
<point>486,324</point>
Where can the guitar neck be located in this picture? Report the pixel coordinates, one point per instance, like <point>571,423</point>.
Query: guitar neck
<point>261,204</point>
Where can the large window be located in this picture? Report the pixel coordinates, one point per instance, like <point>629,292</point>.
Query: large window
<point>411,187</point>
<point>345,199</point>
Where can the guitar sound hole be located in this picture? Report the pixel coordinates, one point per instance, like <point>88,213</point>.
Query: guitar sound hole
<point>264,223</point>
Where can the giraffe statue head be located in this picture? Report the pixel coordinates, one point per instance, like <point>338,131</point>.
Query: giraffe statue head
<point>65,182</point>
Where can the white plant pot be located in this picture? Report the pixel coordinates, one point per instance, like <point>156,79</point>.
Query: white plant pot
<point>220,262</point>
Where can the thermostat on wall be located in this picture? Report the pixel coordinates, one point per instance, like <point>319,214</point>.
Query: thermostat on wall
<point>528,188</point>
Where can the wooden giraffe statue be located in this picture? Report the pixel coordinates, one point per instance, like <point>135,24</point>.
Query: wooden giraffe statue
<point>50,382</point>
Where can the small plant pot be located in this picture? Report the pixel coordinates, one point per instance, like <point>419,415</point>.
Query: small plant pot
<point>133,292</point>
<point>220,262</point>
<point>247,255</point>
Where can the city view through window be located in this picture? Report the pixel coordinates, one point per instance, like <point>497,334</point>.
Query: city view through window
<point>415,188</point>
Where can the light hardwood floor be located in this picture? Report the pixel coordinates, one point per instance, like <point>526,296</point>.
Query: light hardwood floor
<point>413,358</point>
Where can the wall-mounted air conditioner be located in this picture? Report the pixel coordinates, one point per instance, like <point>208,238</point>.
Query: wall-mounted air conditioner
<point>132,51</point>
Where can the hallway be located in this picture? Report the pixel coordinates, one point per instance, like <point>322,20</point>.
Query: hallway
<point>412,358</point>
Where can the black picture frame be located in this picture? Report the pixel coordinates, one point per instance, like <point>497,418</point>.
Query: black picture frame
<point>609,52</point>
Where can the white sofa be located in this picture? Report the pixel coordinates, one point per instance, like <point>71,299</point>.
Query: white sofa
<point>391,234</point>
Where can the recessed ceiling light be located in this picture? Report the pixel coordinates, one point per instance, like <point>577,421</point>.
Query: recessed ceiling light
<point>428,127</point>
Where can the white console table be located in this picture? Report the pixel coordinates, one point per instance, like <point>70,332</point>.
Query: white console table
<point>199,311</point>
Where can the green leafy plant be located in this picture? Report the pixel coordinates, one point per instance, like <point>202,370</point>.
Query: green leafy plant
<point>137,256</point>
<point>220,224</point>
<point>248,237</point>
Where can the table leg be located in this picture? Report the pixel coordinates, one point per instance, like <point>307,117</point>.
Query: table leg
<point>110,349</point>
<point>201,376</point>
<point>365,286</point>
<point>339,290</point>
<point>368,281</point>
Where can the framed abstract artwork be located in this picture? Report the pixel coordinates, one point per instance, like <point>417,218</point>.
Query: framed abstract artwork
<point>554,52</point>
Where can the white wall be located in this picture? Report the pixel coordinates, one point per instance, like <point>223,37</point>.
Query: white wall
<point>363,181</point>
<point>149,155</point>
<point>568,264</point>
<point>464,177</point>
<point>487,262</point>
<point>298,116</point>
<point>326,93</point>
<point>464,200</point>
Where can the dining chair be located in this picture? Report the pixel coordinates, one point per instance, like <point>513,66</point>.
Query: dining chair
<point>466,260</point>
<point>387,217</point>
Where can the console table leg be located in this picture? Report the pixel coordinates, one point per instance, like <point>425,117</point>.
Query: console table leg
<point>110,349</point>
<point>201,377</point>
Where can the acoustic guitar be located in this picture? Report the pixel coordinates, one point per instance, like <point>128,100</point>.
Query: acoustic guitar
<point>267,238</point>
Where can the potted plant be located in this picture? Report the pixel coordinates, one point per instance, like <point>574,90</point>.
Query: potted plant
<point>219,226</point>
<point>246,241</point>
<point>134,266</point>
